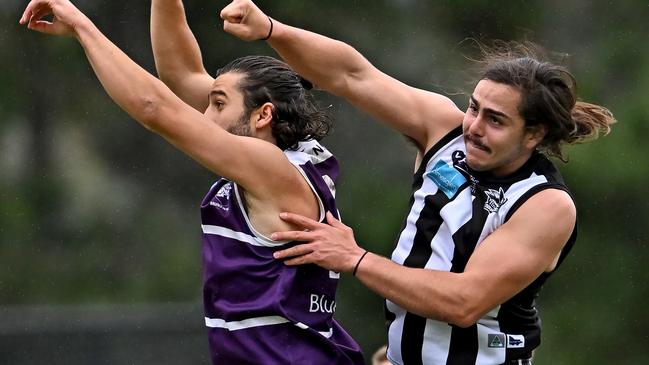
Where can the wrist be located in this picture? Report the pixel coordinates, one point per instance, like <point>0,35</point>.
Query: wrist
<point>278,31</point>
<point>358,262</point>
<point>270,29</point>
<point>82,28</point>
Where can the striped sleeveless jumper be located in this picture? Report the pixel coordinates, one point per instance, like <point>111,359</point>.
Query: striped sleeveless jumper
<point>452,210</point>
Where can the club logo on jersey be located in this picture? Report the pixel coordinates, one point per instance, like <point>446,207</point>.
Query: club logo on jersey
<point>495,200</point>
<point>447,179</point>
<point>515,341</point>
<point>222,198</point>
<point>459,162</point>
<point>496,340</point>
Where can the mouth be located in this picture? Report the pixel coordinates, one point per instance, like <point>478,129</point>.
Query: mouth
<point>476,143</point>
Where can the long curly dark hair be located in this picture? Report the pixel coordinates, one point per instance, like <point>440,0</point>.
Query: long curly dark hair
<point>295,115</point>
<point>549,93</point>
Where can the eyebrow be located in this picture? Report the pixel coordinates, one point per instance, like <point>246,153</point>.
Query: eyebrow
<point>489,110</point>
<point>217,93</point>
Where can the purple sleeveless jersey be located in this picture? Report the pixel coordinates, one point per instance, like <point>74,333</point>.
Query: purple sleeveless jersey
<point>258,310</point>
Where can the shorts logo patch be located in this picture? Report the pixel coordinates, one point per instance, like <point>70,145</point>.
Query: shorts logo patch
<point>447,178</point>
<point>515,341</point>
<point>496,340</point>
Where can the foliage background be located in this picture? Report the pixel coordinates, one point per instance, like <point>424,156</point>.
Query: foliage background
<point>95,210</point>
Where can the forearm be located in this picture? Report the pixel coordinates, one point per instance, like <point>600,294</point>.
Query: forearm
<point>440,295</point>
<point>326,62</point>
<point>135,90</point>
<point>177,54</point>
<point>175,48</point>
<point>341,70</point>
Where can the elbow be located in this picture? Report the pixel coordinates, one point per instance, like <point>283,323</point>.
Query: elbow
<point>466,311</point>
<point>464,318</point>
<point>148,112</point>
<point>343,77</point>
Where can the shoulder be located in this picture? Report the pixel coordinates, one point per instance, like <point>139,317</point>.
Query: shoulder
<point>549,208</point>
<point>315,159</point>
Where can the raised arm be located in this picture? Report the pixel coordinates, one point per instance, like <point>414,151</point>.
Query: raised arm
<point>177,54</point>
<point>339,69</point>
<point>242,159</point>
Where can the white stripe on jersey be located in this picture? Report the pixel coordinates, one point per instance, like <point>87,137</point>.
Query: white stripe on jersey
<point>246,323</point>
<point>239,236</point>
<point>442,254</point>
<point>437,338</point>
<point>327,334</point>
<point>394,331</point>
<point>256,322</point>
<point>407,237</point>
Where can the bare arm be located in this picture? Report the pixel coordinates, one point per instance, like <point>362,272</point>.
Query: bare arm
<point>341,70</point>
<point>177,55</point>
<point>531,241</point>
<point>242,159</point>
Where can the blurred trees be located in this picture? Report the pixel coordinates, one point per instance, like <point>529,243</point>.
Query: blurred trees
<point>94,208</point>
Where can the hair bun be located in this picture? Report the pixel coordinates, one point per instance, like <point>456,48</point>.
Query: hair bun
<point>305,83</point>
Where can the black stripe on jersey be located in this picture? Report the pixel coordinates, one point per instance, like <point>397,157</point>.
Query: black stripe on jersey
<point>427,225</point>
<point>463,348</point>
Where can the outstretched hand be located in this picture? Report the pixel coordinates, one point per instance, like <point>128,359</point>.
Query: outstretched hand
<point>243,19</point>
<point>66,17</point>
<point>331,246</point>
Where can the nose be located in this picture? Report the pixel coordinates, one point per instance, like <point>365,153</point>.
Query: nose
<point>476,126</point>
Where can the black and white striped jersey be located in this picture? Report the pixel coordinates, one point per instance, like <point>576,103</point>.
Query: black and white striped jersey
<point>452,210</point>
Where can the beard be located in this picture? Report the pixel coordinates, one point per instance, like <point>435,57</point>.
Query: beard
<point>242,126</point>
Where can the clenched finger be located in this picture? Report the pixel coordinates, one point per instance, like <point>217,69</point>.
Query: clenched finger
<point>232,13</point>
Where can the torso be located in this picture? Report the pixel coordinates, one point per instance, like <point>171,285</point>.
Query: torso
<point>258,310</point>
<point>452,210</point>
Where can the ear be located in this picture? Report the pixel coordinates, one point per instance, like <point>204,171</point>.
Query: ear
<point>535,136</point>
<point>263,116</point>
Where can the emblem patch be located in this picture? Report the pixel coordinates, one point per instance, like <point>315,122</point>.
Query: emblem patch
<point>496,340</point>
<point>495,200</point>
<point>222,198</point>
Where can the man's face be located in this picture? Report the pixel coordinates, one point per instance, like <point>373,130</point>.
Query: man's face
<point>226,106</point>
<point>494,132</point>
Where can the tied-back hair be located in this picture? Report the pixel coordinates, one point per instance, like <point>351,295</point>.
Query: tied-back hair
<point>549,95</point>
<point>295,116</point>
